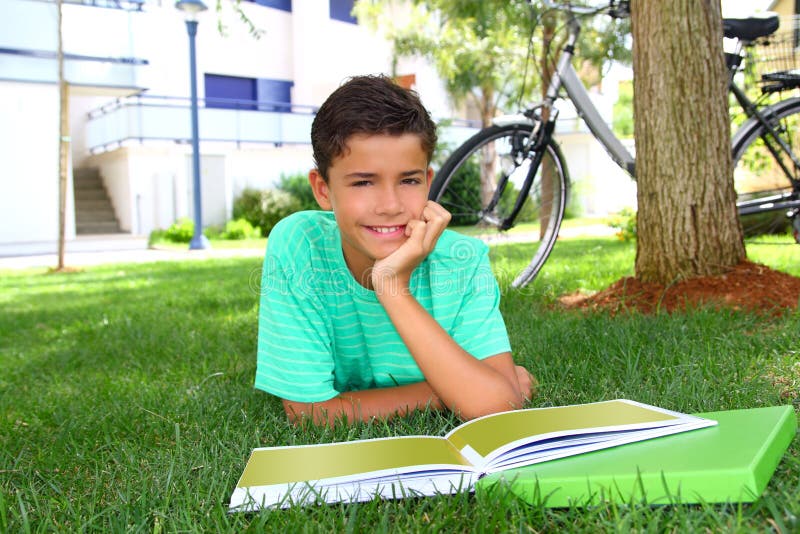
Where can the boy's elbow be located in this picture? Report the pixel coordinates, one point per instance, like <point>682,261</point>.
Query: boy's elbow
<point>319,413</point>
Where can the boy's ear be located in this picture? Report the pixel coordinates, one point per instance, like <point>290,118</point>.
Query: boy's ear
<point>320,189</point>
<point>430,178</point>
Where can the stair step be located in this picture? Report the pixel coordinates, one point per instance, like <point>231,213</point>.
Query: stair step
<point>95,216</point>
<point>97,228</point>
<point>94,213</point>
<point>85,185</point>
<point>91,194</point>
<point>91,204</point>
<point>85,172</point>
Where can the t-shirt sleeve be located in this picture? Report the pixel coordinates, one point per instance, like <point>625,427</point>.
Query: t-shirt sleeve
<point>479,327</point>
<point>295,358</point>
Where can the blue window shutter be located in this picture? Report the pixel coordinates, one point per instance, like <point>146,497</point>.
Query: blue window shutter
<point>341,10</point>
<point>283,5</point>
<point>230,92</point>
<point>274,95</point>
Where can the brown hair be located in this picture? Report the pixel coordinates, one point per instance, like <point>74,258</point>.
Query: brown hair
<point>369,105</point>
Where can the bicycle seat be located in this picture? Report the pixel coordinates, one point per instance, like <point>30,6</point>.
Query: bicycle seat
<point>751,28</point>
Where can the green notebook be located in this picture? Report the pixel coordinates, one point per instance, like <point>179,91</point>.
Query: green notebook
<point>730,462</point>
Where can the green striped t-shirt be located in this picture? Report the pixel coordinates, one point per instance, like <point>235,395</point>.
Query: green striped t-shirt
<point>320,333</point>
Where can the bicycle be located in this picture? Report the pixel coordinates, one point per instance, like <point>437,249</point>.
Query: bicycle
<point>532,181</point>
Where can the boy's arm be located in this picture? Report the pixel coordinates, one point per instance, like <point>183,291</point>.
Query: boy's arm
<point>398,400</point>
<point>466,385</point>
<point>365,404</point>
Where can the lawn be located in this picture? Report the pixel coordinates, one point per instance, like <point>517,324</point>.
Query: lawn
<point>127,402</point>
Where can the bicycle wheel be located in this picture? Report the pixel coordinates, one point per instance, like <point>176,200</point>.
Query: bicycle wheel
<point>481,182</point>
<point>766,182</point>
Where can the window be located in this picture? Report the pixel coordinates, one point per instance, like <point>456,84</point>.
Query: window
<point>274,95</point>
<point>230,92</point>
<point>283,5</point>
<point>234,92</point>
<point>341,10</point>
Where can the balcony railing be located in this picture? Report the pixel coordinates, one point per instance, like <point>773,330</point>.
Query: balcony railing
<point>125,5</point>
<point>146,118</point>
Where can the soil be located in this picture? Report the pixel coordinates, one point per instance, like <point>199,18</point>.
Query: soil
<point>747,286</point>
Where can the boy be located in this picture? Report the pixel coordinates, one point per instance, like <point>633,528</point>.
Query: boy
<point>374,309</point>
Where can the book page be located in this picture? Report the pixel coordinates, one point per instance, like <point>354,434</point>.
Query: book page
<point>284,465</point>
<point>479,438</point>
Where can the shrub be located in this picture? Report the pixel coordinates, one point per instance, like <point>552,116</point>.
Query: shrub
<point>625,223</point>
<point>264,208</point>
<point>156,236</point>
<point>181,231</point>
<point>297,185</point>
<point>466,184</point>
<point>240,229</point>
<point>213,231</point>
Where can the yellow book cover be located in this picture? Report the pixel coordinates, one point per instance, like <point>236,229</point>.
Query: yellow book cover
<point>406,466</point>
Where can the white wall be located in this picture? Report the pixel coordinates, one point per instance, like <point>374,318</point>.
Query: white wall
<point>599,186</point>
<point>29,153</point>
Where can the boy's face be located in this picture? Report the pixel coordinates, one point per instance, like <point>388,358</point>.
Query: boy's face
<point>374,188</point>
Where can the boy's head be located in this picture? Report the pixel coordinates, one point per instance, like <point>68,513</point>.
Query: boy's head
<point>368,105</point>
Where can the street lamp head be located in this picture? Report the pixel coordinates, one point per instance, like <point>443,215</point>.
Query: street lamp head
<point>191,8</point>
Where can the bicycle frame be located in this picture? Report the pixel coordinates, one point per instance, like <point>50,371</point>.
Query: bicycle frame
<point>566,77</point>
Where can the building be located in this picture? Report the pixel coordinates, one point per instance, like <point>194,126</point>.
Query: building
<point>126,64</point>
<point>127,68</point>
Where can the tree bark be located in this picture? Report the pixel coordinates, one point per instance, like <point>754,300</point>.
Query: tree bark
<point>547,68</point>
<point>63,143</point>
<point>687,222</point>
<point>488,152</point>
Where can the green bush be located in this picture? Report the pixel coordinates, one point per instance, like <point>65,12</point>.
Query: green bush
<point>156,236</point>
<point>297,185</point>
<point>466,184</point>
<point>263,208</point>
<point>625,223</point>
<point>181,231</point>
<point>240,229</point>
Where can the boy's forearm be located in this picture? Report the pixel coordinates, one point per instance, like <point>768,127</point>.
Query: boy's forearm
<point>366,404</point>
<point>464,384</point>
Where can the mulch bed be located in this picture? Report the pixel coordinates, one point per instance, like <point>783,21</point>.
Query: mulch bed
<point>748,286</point>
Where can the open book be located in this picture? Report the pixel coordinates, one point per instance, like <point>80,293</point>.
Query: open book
<point>425,465</point>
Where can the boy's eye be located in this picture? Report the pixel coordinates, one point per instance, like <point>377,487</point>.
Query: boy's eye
<point>360,183</point>
<point>412,181</point>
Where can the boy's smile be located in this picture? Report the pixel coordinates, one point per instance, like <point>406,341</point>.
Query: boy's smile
<point>374,188</point>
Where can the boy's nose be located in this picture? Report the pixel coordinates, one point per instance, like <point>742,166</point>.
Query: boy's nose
<point>389,202</point>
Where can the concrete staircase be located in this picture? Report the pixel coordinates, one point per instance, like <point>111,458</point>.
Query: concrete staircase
<point>94,213</point>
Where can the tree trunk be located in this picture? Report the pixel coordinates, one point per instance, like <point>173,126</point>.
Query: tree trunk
<point>547,67</point>
<point>488,152</point>
<point>687,222</point>
<point>63,144</point>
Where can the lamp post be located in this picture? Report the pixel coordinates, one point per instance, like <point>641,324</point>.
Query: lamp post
<point>190,9</point>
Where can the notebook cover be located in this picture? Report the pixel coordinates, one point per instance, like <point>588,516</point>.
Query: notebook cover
<point>730,462</point>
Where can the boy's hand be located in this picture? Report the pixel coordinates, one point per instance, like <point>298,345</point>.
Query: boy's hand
<point>527,382</point>
<point>396,268</point>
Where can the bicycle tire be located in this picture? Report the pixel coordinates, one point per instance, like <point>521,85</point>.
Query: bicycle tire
<point>762,186</point>
<point>457,187</point>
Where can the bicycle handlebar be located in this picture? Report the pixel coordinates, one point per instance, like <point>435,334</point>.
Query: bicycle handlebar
<point>617,9</point>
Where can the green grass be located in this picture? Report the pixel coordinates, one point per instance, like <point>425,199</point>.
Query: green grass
<point>126,399</point>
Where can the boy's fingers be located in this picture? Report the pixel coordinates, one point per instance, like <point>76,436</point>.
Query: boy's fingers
<point>437,219</point>
<point>415,230</point>
<point>435,212</point>
<point>527,382</point>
